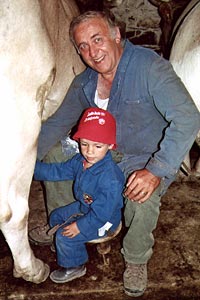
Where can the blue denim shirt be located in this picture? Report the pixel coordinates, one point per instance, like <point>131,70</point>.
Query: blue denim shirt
<point>157,121</point>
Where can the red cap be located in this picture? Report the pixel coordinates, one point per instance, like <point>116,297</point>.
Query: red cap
<point>97,125</point>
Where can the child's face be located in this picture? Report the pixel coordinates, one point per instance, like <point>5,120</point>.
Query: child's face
<point>93,151</point>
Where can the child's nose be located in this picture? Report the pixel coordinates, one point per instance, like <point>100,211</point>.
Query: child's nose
<point>90,149</point>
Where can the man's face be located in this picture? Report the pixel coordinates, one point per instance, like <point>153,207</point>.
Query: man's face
<point>100,49</point>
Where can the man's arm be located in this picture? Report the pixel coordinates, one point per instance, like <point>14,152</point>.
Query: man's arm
<point>60,123</point>
<point>174,102</point>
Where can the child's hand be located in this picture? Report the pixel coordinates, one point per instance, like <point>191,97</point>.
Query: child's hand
<point>71,230</point>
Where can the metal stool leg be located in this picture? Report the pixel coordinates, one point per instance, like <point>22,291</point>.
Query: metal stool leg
<point>103,249</point>
<point>103,244</point>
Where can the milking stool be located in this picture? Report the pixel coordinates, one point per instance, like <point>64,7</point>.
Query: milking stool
<point>103,244</point>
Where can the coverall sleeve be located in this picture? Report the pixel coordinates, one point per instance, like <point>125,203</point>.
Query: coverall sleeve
<point>54,171</point>
<point>174,102</point>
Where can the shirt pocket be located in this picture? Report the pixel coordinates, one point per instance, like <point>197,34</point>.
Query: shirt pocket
<point>138,111</point>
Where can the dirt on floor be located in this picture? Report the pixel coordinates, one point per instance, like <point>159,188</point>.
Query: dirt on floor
<point>173,271</point>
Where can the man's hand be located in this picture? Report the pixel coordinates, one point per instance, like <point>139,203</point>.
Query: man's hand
<point>141,184</point>
<point>71,230</point>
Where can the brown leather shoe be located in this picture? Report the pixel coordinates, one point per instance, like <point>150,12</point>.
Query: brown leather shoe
<point>135,279</point>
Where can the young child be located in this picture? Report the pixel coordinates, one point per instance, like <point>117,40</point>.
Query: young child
<point>98,186</point>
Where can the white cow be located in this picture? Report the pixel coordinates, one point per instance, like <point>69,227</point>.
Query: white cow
<point>185,58</point>
<point>34,46</point>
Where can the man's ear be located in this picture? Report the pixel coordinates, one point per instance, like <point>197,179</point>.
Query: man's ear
<point>117,35</point>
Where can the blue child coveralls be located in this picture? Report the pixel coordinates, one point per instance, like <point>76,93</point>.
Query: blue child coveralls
<point>98,191</point>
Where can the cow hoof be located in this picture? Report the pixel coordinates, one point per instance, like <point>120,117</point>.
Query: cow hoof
<point>41,276</point>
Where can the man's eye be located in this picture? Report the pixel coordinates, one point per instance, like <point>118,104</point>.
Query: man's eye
<point>83,47</point>
<point>98,40</point>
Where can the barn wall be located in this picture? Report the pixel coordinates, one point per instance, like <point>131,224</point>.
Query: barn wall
<point>142,22</point>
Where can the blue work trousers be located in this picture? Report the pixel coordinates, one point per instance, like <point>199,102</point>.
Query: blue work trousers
<point>71,252</point>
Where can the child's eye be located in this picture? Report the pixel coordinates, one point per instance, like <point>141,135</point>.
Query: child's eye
<point>83,144</point>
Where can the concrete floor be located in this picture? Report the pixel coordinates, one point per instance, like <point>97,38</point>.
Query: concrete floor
<point>174,270</point>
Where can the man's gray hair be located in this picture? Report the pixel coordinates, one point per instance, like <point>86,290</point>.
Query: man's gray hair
<point>109,18</point>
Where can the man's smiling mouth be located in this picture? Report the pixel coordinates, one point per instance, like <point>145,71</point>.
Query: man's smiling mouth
<point>98,60</point>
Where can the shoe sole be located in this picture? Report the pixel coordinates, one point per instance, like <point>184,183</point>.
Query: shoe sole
<point>37,243</point>
<point>132,293</point>
<point>70,279</point>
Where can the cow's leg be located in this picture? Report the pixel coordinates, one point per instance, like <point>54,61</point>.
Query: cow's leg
<point>186,166</point>
<point>197,168</point>
<point>197,163</point>
<point>26,265</point>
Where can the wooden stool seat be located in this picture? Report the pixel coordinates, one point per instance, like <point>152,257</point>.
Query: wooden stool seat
<point>104,246</point>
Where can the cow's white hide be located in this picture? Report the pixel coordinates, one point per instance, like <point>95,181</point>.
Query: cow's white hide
<point>57,16</point>
<point>34,44</point>
<point>185,58</point>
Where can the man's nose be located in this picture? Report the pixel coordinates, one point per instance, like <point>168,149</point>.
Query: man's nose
<point>93,50</point>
